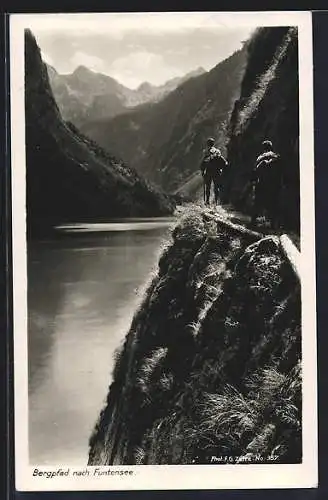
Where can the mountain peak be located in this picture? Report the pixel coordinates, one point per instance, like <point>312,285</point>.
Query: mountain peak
<point>198,71</point>
<point>82,70</point>
<point>51,69</point>
<point>145,86</point>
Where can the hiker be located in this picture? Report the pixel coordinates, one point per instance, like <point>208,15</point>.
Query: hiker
<point>266,179</point>
<point>212,167</point>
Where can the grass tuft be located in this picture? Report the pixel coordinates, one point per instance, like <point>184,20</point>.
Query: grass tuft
<point>150,364</point>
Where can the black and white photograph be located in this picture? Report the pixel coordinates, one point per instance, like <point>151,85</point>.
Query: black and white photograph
<point>163,250</point>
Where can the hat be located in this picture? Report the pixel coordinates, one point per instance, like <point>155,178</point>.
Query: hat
<point>210,141</point>
<point>267,143</point>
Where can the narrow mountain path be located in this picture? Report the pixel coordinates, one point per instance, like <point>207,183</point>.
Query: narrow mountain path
<point>241,224</point>
<point>227,217</point>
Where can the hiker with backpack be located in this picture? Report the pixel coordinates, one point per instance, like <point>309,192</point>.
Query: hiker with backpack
<point>212,168</point>
<point>266,182</point>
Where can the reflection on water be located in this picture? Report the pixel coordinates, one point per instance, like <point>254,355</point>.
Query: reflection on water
<point>82,293</point>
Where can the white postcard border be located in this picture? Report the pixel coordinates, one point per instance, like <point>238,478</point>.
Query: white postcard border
<point>162,477</point>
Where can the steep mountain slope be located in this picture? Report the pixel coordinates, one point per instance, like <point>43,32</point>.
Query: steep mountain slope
<point>68,176</point>
<point>164,141</point>
<point>86,95</point>
<point>212,363</point>
<point>268,108</point>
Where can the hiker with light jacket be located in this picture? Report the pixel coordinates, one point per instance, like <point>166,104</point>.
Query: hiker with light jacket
<point>212,168</point>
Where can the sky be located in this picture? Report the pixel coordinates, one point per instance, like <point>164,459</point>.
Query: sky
<point>133,48</point>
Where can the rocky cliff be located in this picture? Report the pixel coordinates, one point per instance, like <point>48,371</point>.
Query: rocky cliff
<point>268,108</point>
<point>211,365</point>
<point>68,176</point>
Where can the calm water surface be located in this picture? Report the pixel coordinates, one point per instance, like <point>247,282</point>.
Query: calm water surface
<point>83,289</point>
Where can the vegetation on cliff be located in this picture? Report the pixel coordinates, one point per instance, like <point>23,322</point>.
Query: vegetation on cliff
<point>268,108</point>
<point>211,364</point>
<point>68,176</point>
